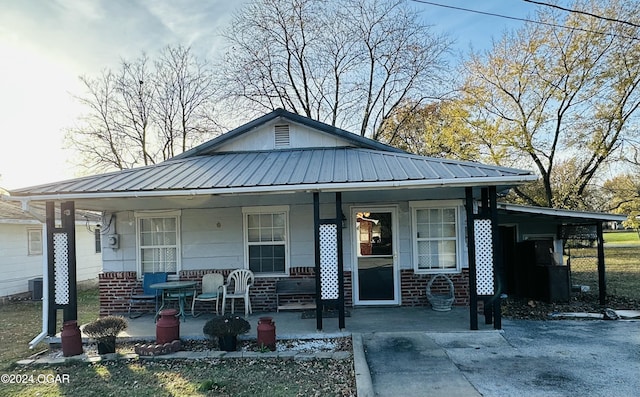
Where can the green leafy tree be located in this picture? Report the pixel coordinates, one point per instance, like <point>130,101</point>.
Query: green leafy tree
<point>438,129</point>
<point>560,96</point>
<point>622,194</point>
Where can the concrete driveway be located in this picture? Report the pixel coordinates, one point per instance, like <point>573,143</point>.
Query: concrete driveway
<point>526,358</point>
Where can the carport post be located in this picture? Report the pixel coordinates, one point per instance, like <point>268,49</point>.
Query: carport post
<point>473,296</point>
<point>497,259</point>
<point>602,283</point>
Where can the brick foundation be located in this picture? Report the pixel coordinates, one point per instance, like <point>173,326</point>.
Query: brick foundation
<point>116,287</point>
<point>414,288</point>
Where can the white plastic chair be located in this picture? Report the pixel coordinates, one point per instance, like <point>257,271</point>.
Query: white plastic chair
<point>211,288</point>
<point>238,283</point>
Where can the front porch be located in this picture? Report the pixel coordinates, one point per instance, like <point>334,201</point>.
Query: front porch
<point>291,325</point>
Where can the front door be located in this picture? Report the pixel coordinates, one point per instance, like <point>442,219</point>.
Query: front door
<point>375,279</point>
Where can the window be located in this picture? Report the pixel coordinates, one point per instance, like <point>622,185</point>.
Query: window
<point>266,238</point>
<point>34,237</point>
<point>97,240</point>
<point>159,242</point>
<point>437,238</point>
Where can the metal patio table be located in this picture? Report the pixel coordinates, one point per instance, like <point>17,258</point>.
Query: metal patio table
<point>175,290</point>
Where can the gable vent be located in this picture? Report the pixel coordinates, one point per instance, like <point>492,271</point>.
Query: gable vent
<point>282,136</point>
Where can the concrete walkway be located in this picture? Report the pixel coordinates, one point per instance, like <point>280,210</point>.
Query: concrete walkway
<point>412,364</point>
<point>527,358</point>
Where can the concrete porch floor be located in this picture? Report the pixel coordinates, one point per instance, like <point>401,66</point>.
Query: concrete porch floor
<point>291,325</point>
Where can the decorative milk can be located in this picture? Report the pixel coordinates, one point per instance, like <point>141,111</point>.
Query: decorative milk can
<point>167,327</point>
<point>267,333</point>
<point>71,339</point>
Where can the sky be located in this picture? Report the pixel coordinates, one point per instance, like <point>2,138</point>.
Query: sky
<point>45,45</point>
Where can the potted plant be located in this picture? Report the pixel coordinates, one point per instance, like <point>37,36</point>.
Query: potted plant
<point>104,330</point>
<point>226,328</point>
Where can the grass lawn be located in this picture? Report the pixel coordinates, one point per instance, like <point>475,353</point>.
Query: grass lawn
<point>622,237</point>
<point>622,270</point>
<point>22,321</point>
<point>211,377</point>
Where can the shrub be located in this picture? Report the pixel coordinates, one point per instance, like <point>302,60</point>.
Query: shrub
<point>228,324</point>
<point>105,327</point>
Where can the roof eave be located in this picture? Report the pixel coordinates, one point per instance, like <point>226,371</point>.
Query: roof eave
<point>599,216</point>
<point>325,187</point>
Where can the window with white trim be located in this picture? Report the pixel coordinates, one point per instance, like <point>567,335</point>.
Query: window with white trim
<point>158,236</point>
<point>34,241</point>
<point>437,237</point>
<point>266,239</point>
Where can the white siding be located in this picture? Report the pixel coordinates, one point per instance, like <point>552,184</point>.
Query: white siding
<point>213,238</point>
<point>18,267</point>
<point>124,258</point>
<point>300,137</point>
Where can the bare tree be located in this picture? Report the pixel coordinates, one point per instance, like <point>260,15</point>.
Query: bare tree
<point>145,112</point>
<point>184,97</point>
<point>564,88</point>
<point>349,63</point>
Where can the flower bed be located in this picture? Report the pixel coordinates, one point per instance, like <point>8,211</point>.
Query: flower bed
<point>287,345</point>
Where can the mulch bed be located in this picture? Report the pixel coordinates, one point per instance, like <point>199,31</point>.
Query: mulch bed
<point>526,309</point>
<point>299,345</point>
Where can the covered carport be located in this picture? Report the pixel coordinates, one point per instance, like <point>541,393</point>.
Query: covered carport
<point>527,234</point>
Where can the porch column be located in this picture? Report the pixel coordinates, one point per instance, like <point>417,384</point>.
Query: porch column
<point>329,260</point>
<point>485,271</point>
<point>61,264</point>
<point>602,283</point>
<point>473,295</point>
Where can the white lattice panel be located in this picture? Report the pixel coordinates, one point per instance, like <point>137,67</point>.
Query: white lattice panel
<point>484,256</point>
<point>329,287</point>
<point>61,268</point>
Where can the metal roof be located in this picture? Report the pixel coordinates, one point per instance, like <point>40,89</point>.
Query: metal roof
<point>332,168</point>
<point>561,214</point>
<point>12,213</point>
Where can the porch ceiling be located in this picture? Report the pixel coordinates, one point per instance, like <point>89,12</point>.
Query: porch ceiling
<point>203,201</point>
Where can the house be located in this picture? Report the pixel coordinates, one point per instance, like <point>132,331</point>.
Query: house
<point>290,197</point>
<point>21,249</point>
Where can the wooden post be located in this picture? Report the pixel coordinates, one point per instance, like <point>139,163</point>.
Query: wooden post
<point>338,220</point>
<point>316,239</point>
<point>498,269</point>
<point>602,281</point>
<point>473,297</point>
<point>61,264</point>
